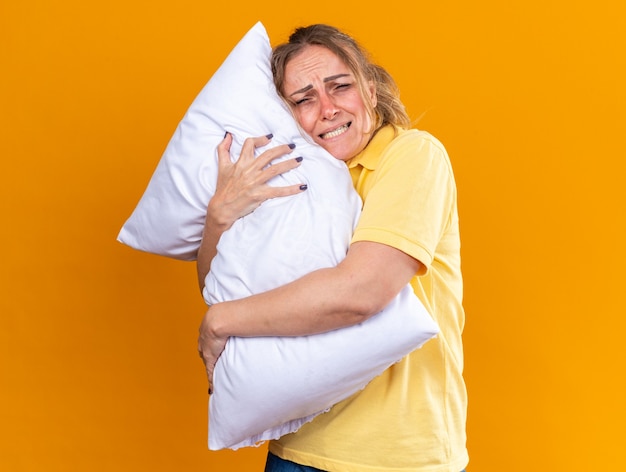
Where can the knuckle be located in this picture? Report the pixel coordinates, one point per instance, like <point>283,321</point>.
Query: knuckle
<point>273,170</point>
<point>249,143</point>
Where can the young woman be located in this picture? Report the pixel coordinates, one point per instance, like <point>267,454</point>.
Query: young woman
<point>411,418</point>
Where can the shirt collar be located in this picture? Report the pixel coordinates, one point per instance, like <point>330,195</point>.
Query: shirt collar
<point>370,156</point>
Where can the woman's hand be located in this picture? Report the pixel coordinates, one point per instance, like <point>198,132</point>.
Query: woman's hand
<point>241,188</point>
<point>210,345</point>
<point>242,185</point>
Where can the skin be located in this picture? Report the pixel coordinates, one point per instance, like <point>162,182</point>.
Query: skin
<point>241,187</point>
<point>327,103</point>
<point>325,98</point>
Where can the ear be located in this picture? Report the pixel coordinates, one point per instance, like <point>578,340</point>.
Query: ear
<point>373,94</point>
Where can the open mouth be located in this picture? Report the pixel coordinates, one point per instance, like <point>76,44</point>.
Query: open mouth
<point>336,132</point>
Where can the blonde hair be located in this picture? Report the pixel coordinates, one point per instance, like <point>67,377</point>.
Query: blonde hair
<point>388,110</point>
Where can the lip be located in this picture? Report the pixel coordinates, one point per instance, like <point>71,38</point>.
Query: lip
<point>334,128</point>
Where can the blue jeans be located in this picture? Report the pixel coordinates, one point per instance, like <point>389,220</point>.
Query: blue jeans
<point>276,464</point>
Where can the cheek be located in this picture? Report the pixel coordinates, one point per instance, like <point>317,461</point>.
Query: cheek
<point>305,120</point>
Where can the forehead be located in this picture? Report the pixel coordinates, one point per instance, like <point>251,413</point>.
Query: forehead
<point>313,64</point>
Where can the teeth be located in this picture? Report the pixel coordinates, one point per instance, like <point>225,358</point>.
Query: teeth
<point>337,132</point>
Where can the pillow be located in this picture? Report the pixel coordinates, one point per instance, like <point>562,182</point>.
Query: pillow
<point>274,385</point>
<point>240,98</point>
<point>267,387</point>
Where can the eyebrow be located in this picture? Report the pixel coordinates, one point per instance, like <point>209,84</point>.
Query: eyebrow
<point>327,79</point>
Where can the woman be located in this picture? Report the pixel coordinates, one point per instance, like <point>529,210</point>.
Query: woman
<point>412,417</point>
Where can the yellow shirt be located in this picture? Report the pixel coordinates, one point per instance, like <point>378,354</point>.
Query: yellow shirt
<point>412,417</point>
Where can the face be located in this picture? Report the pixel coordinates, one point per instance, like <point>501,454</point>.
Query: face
<point>327,103</point>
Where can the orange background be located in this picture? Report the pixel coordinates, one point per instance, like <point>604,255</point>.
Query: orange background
<point>98,368</point>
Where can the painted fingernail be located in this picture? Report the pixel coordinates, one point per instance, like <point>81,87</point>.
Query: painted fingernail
<point>269,136</point>
<point>210,391</point>
<point>304,187</point>
<point>292,146</point>
<point>299,159</point>
<point>225,134</point>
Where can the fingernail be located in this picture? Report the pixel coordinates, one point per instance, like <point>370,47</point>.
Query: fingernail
<point>269,136</point>
<point>304,187</point>
<point>292,146</point>
<point>225,134</point>
<point>299,159</point>
<point>210,391</point>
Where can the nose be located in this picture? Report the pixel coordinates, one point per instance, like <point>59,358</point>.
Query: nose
<point>328,108</point>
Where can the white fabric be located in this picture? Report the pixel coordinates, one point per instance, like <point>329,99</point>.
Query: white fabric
<point>267,387</point>
<point>275,385</point>
<point>239,98</point>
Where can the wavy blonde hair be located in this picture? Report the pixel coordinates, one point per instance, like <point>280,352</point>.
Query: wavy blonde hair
<point>388,110</point>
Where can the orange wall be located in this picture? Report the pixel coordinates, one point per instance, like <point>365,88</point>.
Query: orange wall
<point>98,369</point>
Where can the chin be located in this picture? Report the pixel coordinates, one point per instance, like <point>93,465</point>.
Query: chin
<point>340,156</point>
<point>337,153</point>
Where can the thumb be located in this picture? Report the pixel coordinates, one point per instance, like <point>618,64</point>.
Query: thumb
<point>223,149</point>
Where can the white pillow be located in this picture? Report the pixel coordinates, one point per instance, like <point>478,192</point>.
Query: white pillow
<point>267,387</point>
<point>274,385</point>
<point>239,98</point>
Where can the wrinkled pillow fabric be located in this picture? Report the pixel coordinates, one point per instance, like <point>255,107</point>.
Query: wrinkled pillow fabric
<point>267,387</point>
<point>287,381</point>
<point>240,98</point>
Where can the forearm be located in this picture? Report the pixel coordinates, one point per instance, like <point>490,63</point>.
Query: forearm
<point>208,249</point>
<point>218,221</point>
<point>321,301</point>
<point>307,306</point>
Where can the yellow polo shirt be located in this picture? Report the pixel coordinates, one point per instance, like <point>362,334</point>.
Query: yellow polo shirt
<point>412,417</point>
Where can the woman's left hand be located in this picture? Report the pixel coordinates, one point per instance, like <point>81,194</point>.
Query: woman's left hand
<point>210,345</point>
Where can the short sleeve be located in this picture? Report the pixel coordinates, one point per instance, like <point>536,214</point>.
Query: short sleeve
<point>409,199</point>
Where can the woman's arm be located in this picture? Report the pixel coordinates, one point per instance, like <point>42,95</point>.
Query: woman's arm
<point>241,187</point>
<point>359,287</point>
